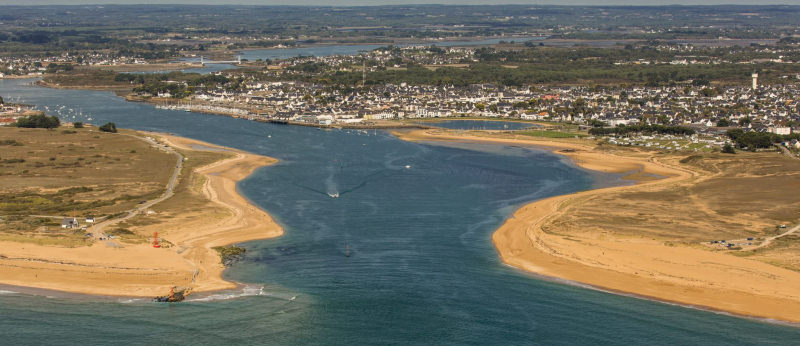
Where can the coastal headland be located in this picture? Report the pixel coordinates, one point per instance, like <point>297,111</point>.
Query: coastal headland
<point>201,211</point>
<point>660,237</point>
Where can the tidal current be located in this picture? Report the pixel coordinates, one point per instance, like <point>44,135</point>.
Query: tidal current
<point>417,218</point>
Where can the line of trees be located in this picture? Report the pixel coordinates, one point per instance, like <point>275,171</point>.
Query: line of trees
<point>758,140</point>
<point>641,128</point>
<point>175,90</point>
<point>537,72</point>
<point>40,121</point>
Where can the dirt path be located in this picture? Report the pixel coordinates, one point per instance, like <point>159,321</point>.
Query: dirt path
<point>246,222</point>
<point>769,240</point>
<point>786,151</point>
<point>97,229</point>
<point>139,269</point>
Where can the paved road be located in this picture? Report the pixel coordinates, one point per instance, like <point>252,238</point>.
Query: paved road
<point>97,229</point>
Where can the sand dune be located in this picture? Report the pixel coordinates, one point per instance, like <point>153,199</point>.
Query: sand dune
<point>141,270</point>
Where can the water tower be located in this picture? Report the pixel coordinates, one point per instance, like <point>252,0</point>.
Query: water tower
<point>755,80</point>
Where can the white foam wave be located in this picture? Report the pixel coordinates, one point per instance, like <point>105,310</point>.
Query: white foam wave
<point>247,291</point>
<point>8,292</point>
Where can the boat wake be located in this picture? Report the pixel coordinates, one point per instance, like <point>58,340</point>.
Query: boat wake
<point>380,174</point>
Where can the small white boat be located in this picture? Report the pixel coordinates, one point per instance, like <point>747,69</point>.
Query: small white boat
<point>334,195</point>
<point>408,166</point>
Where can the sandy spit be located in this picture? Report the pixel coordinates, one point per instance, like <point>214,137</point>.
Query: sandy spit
<point>142,270</point>
<point>640,267</point>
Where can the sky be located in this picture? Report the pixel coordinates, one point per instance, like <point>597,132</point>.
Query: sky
<point>402,2</point>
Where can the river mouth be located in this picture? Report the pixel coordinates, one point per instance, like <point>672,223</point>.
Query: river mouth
<point>421,269</point>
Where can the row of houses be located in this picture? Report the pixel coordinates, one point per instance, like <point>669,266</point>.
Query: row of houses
<point>773,107</point>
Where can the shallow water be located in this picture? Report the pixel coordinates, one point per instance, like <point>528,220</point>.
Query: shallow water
<point>422,267</point>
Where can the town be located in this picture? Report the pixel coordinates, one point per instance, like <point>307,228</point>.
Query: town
<point>395,173</point>
<point>710,111</point>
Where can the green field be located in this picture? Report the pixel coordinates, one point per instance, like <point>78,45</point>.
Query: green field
<point>552,134</point>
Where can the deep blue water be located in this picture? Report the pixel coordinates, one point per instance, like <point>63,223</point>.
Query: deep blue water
<point>480,125</point>
<point>351,49</point>
<point>422,268</point>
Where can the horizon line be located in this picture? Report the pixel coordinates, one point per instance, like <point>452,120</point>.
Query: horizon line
<point>401,5</point>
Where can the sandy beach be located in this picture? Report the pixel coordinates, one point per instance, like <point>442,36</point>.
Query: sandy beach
<point>642,266</point>
<point>140,270</point>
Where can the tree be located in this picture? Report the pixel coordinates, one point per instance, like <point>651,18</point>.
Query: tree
<point>728,149</point>
<point>578,107</point>
<point>39,121</point>
<point>641,128</point>
<point>109,127</point>
<point>709,92</point>
<point>1,100</point>
<point>597,123</point>
<point>752,140</point>
<point>744,121</point>
<point>723,122</point>
<point>77,125</point>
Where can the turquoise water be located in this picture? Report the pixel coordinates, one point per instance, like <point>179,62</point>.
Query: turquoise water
<point>422,268</point>
<point>351,49</point>
<point>480,125</point>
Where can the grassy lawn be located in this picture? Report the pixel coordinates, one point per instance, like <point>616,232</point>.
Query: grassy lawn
<point>551,134</point>
<point>674,144</point>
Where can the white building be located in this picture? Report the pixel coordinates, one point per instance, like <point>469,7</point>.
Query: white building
<point>780,130</point>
